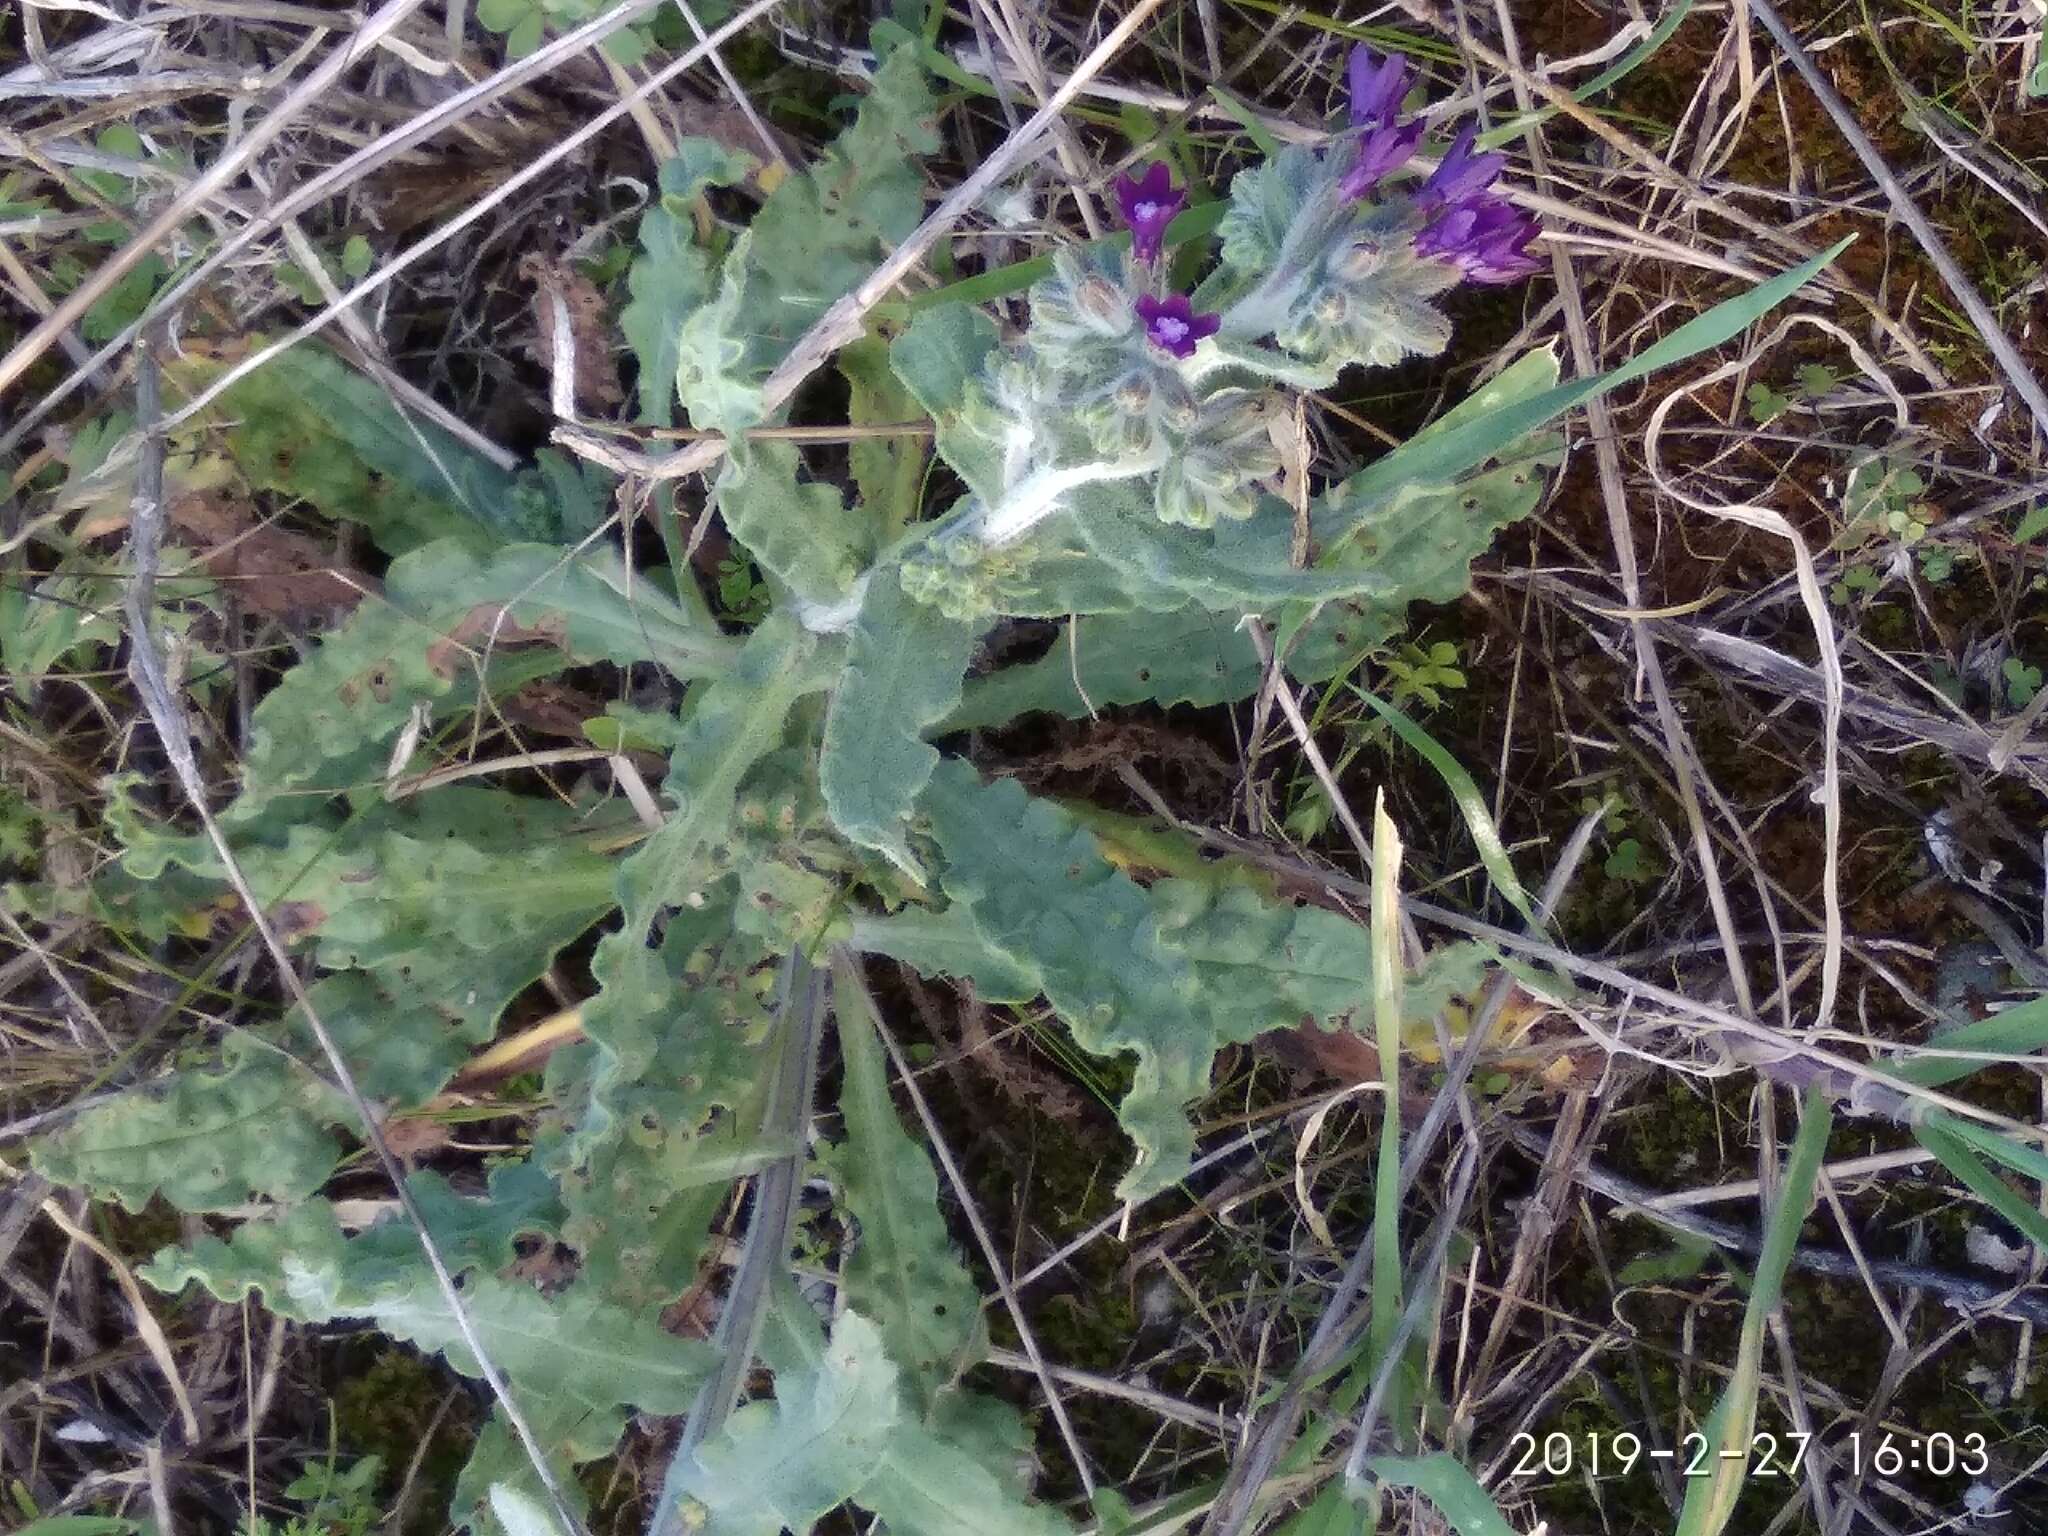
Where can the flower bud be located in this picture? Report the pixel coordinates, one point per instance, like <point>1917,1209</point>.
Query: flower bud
<point>1358,261</point>
<point>1103,303</point>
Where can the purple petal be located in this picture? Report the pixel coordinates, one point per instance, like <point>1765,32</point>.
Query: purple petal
<point>1380,150</point>
<point>1172,324</point>
<point>1378,85</point>
<point>1148,204</point>
<point>1462,174</point>
<point>1486,237</point>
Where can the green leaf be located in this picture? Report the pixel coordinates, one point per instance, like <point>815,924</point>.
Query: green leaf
<point>307,425</point>
<point>902,675</point>
<point>800,531</point>
<point>785,1465</point>
<point>205,1141</point>
<point>819,235</point>
<point>1486,837</point>
<point>657,1103</point>
<point>356,257</point>
<point>1938,1134</point>
<point>520,1514</point>
<point>2019,1030</point>
<point>1170,973</point>
<point>1766,405</point>
<point>1039,889</point>
<point>1684,1260</point>
<point>438,910</point>
<point>1448,1486</point>
<point>948,944</point>
<point>738,719</point>
<point>574,1348</point>
<point>671,274</point>
<point>328,726</point>
<point>903,1272</point>
<point>122,305</point>
<point>888,468</point>
<point>837,1432</point>
<point>1190,656</point>
<point>1710,1500</point>
<point>940,357</point>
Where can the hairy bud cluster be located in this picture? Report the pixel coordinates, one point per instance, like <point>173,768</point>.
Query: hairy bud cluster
<point>1327,261</point>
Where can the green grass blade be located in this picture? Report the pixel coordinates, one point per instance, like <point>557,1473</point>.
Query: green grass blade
<point>1486,837</point>
<point>1437,457</point>
<point>1710,1501</point>
<point>1599,83</point>
<point>2016,1031</point>
<point>1260,134</point>
<point>1446,1484</point>
<point>1943,1135</point>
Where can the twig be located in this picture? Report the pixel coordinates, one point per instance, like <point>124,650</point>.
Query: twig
<point>1962,1291</point>
<point>339,176</point>
<point>215,178</point>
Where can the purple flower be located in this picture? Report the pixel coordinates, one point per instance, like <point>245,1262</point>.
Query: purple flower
<point>1486,236</point>
<point>1171,323</point>
<point>1380,150</point>
<point>1148,204</point>
<point>1461,175</point>
<point>1378,86</point>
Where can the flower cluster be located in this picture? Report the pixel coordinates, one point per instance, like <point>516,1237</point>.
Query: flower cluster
<point>1469,225</point>
<point>1127,399</point>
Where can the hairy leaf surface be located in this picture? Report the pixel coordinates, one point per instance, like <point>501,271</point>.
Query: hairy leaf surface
<point>447,620</point>
<point>902,675</point>
<point>204,1140</point>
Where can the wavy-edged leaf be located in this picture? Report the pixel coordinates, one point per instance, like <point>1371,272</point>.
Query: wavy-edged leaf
<point>655,1102</point>
<point>737,720</point>
<point>903,674</point>
<point>837,1432</point>
<point>204,1140</point>
<point>948,944</point>
<point>446,616</point>
<point>940,357</point>
<point>671,274</point>
<point>1170,973</point>
<point>903,1272</point>
<point>799,531</point>
<point>821,233</point>
<point>436,910</point>
<point>574,1347</point>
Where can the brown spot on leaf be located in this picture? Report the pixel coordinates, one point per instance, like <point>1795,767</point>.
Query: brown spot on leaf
<point>295,919</point>
<point>485,626</point>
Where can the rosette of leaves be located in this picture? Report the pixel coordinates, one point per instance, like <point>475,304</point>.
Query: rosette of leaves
<point>805,806</point>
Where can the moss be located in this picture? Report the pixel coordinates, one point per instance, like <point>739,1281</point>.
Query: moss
<point>386,1405</point>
